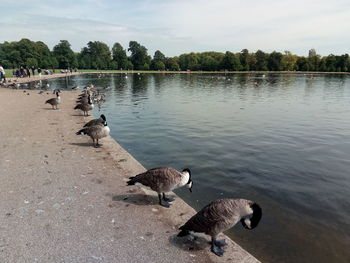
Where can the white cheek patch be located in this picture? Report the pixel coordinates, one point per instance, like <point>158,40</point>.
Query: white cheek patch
<point>247,222</point>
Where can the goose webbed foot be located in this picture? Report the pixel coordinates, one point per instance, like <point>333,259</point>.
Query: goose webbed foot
<point>216,246</point>
<point>217,250</point>
<point>164,203</point>
<point>168,199</point>
<point>220,243</point>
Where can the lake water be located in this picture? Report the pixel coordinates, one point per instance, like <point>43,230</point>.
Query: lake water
<point>280,140</point>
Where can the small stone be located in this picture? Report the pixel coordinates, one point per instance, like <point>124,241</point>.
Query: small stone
<point>148,234</point>
<point>56,206</point>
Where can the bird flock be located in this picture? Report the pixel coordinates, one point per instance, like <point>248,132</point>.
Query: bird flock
<point>218,216</point>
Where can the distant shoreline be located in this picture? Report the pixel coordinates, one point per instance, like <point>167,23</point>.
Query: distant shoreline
<point>12,80</point>
<point>208,72</point>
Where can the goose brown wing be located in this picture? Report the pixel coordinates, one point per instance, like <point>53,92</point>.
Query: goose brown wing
<point>95,131</point>
<point>213,218</point>
<point>51,101</point>
<point>94,122</point>
<point>157,177</point>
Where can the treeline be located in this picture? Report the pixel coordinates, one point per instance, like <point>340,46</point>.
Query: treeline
<point>97,55</point>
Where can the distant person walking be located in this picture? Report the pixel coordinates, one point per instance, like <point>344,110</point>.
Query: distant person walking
<point>28,72</point>
<point>33,71</point>
<point>39,73</point>
<point>2,74</point>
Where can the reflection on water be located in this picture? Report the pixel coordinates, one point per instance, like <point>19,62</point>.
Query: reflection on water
<point>281,140</point>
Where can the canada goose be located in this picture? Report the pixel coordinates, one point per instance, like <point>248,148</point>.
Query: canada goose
<point>163,179</point>
<point>219,216</point>
<point>15,85</point>
<point>99,97</point>
<point>56,90</point>
<point>85,107</point>
<point>45,87</point>
<point>95,132</point>
<point>75,87</point>
<point>99,121</point>
<point>54,101</point>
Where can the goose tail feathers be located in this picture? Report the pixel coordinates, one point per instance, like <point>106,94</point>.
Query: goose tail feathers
<point>81,132</point>
<point>131,181</point>
<point>184,232</point>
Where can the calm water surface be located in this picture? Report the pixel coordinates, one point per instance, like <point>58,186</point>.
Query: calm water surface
<point>281,140</point>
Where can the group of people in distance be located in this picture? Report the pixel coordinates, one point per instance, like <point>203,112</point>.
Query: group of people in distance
<point>26,72</point>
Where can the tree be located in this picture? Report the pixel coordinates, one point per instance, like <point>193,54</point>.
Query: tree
<point>158,61</point>
<point>261,60</point>
<point>189,61</point>
<point>289,61</point>
<point>244,59</point>
<point>342,63</point>
<point>331,63</point>
<point>274,61</point>
<point>231,62</point>
<point>96,56</point>
<point>31,62</point>
<point>171,64</point>
<point>314,61</point>
<point>119,56</point>
<point>139,56</point>
<point>303,64</point>
<point>65,55</point>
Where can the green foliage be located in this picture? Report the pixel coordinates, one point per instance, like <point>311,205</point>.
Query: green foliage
<point>231,62</point>
<point>65,55</point>
<point>274,61</point>
<point>119,56</point>
<point>172,64</point>
<point>261,60</point>
<point>303,64</point>
<point>244,59</point>
<point>158,61</point>
<point>289,61</point>
<point>32,62</point>
<point>25,53</point>
<point>139,57</point>
<point>97,55</point>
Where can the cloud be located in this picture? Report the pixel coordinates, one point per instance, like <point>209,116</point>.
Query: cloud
<point>179,26</point>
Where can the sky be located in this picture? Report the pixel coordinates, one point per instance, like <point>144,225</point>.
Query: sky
<point>181,26</point>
